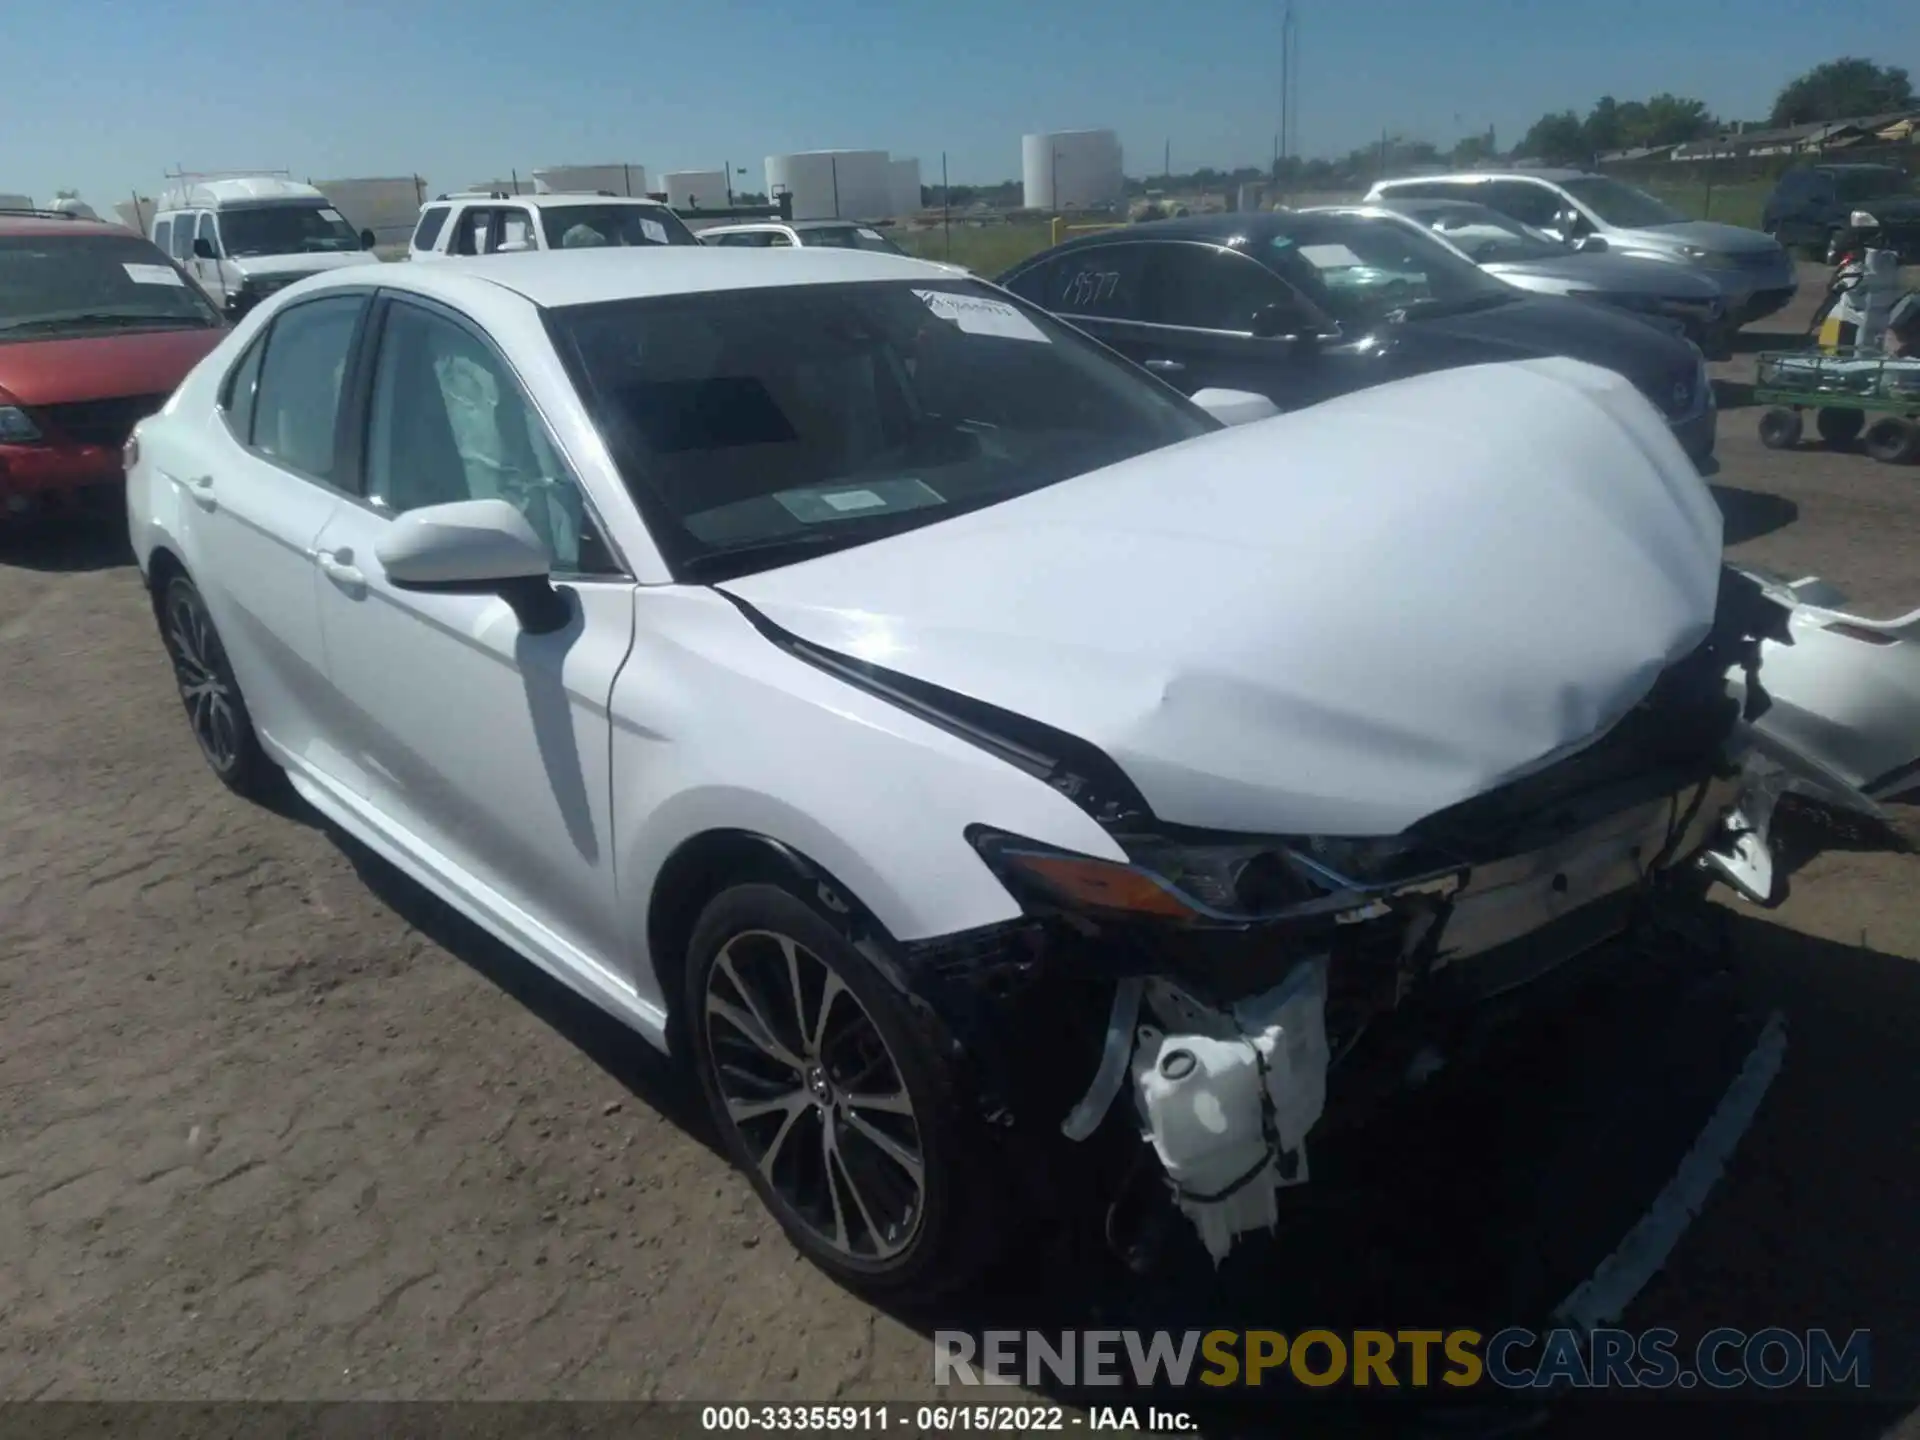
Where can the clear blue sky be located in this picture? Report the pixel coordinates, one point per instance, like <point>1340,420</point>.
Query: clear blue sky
<point>105,96</point>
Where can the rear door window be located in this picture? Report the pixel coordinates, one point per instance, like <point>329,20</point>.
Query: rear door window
<point>297,405</point>
<point>1525,201</point>
<point>433,220</point>
<point>1103,281</point>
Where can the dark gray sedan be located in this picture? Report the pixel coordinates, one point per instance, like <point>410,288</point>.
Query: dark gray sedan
<point>1533,260</point>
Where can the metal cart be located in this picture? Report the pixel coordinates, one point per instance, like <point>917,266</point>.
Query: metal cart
<point>1855,395</point>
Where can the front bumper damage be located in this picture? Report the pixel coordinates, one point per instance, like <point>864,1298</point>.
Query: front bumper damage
<point>1218,1049</point>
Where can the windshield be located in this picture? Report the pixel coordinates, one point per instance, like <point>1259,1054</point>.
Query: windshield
<point>756,426</point>
<point>849,237</point>
<point>1853,186</point>
<point>1489,237</point>
<point>1621,205</point>
<point>573,227</point>
<point>89,284</point>
<point>286,230</point>
<point>1361,268</point>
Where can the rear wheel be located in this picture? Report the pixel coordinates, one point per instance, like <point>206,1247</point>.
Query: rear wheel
<point>831,1098</point>
<point>215,710</point>
<point>1780,429</point>
<point>1840,427</point>
<point>1894,441</point>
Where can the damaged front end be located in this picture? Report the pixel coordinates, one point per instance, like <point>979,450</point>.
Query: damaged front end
<point>1250,977</point>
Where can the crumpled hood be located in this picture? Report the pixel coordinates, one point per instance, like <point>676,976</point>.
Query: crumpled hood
<point>1336,621</point>
<point>1615,274</point>
<point>312,263</point>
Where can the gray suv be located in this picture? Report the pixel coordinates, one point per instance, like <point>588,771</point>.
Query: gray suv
<point>1753,270</point>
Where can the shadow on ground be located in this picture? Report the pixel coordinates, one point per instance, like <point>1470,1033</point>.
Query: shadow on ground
<point>1749,514</point>
<point>67,544</point>
<point>1491,1195</point>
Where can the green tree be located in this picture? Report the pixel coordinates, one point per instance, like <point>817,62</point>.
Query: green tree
<point>1842,89</point>
<point>1558,139</point>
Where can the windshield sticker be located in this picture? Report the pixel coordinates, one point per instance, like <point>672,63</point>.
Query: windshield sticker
<point>854,500</point>
<point>153,275</point>
<point>865,234</point>
<point>653,230</point>
<point>819,504</point>
<point>1329,257</point>
<point>980,316</point>
<point>327,213</point>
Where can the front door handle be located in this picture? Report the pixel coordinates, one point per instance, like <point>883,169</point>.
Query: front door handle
<point>201,488</point>
<point>346,576</point>
<point>1165,367</point>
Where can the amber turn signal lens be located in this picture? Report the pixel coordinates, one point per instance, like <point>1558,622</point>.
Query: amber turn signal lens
<point>1101,885</point>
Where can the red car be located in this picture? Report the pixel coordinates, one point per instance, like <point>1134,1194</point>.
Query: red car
<point>97,326</point>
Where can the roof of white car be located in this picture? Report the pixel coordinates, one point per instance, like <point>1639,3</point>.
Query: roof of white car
<point>541,202</point>
<point>1454,177</point>
<point>553,278</point>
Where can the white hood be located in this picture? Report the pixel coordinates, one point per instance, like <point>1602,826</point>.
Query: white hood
<point>1334,622</point>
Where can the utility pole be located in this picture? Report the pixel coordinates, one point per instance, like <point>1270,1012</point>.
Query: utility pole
<point>1288,37</point>
<point>946,201</point>
<point>1166,164</point>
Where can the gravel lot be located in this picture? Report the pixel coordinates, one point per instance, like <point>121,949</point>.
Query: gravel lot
<point>274,1125</point>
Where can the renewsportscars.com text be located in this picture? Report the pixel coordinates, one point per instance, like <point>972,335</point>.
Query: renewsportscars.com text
<point>1511,1359</point>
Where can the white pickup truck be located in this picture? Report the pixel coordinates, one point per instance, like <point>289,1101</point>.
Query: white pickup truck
<point>495,223</point>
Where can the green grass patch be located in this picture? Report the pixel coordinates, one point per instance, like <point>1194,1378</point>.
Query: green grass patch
<point>1739,203</point>
<point>987,250</point>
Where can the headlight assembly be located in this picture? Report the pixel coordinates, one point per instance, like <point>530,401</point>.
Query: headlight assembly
<point>1219,881</point>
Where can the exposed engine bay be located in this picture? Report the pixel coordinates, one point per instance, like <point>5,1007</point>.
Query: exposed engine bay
<point>1245,993</point>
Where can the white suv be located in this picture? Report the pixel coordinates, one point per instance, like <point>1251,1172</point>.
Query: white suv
<point>495,223</point>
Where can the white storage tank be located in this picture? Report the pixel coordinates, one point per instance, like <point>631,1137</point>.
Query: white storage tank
<point>1071,170</point>
<point>16,202</point>
<point>832,184</point>
<point>590,179</point>
<point>903,186</point>
<point>389,206</point>
<point>702,189</point>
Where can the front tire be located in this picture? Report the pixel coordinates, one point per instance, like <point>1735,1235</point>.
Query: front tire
<point>216,711</point>
<point>831,1097</point>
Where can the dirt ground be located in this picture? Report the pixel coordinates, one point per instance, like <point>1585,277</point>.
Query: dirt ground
<point>274,1125</point>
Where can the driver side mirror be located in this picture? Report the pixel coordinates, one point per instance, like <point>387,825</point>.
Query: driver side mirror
<point>1590,244</point>
<point>475,547</point>
<point>203,249</point>
<point>368,240</point>
<point>1277,321</point>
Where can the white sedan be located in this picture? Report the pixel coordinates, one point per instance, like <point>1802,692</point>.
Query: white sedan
<point>866,685</point>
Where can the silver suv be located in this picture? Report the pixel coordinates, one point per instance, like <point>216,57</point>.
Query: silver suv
<point>1753,270</point>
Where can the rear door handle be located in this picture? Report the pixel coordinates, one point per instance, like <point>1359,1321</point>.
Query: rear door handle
<point>1166,367</point>
<point>201,488</point>
<point>346,576</point>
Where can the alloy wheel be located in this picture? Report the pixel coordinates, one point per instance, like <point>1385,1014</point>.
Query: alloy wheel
<point>199,667</point>
<point>815,1095</point>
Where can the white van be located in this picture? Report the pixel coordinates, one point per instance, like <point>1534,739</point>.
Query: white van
<point>245,237</point>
